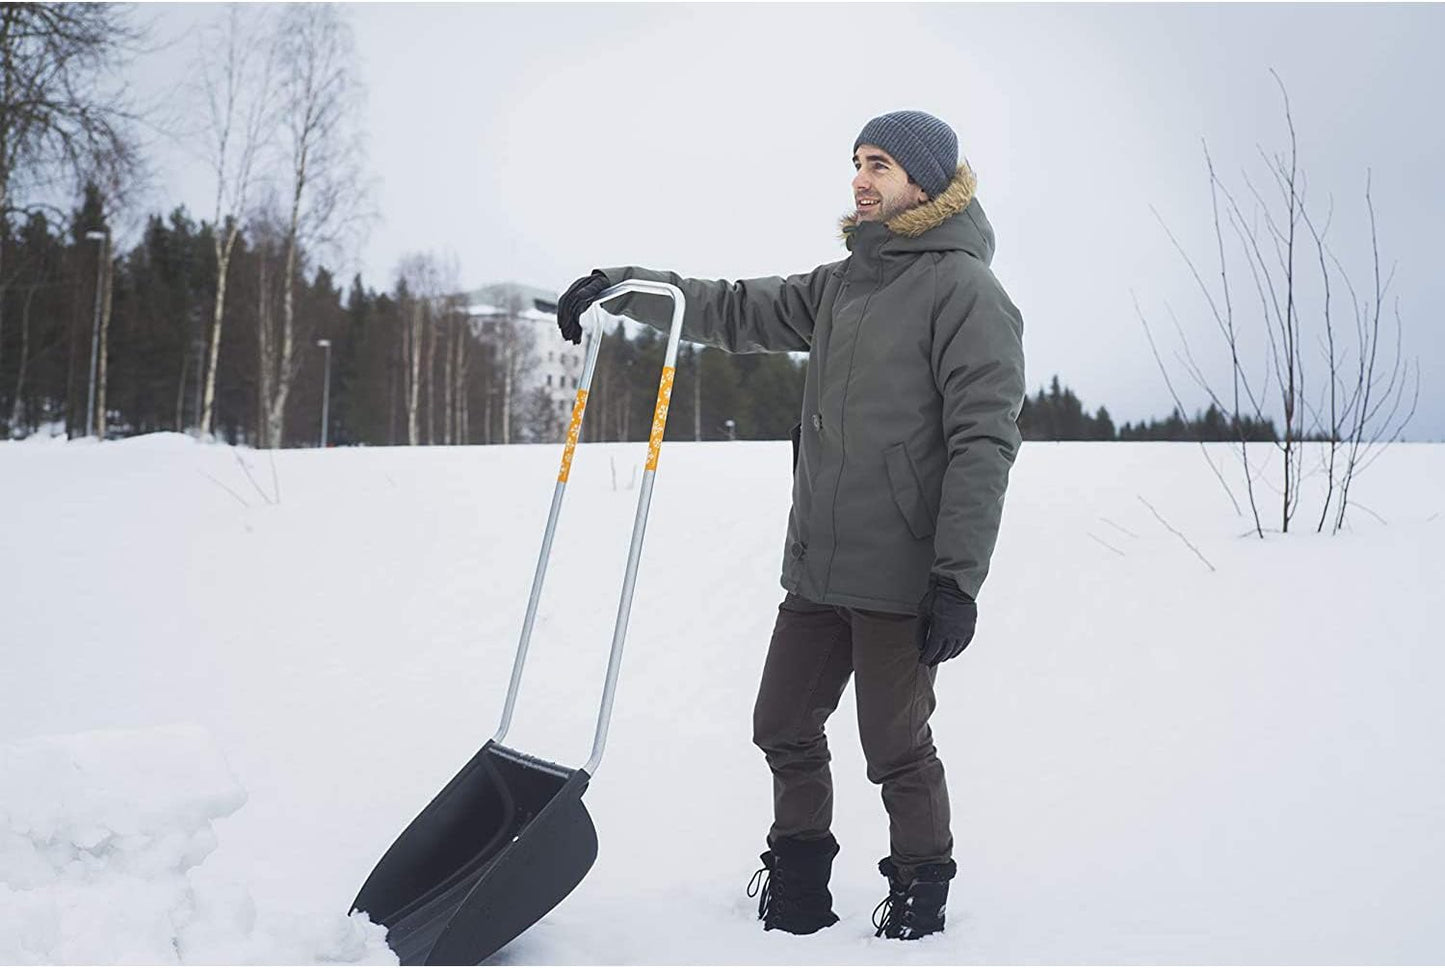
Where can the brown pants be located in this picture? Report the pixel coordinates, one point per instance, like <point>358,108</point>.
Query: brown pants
<point>814,650</point>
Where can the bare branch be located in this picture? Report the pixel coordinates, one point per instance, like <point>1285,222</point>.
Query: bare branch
<point>223,487</point>
<point>1106,544</point>
<point>246,469</point>
<point>1119,528</point>
<point>1179,404</point>
<point>1177,533</point>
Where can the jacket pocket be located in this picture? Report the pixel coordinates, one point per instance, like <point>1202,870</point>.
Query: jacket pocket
<point>907,490</point>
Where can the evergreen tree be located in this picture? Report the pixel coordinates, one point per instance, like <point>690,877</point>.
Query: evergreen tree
<point>1103,426</point>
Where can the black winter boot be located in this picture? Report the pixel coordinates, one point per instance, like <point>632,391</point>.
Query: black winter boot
<point>792,885</point>
<point>913,908</point>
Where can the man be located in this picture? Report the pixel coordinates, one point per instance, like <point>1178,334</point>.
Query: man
<point>914,382</point>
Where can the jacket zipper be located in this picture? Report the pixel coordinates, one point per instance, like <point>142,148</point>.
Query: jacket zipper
<point>843,420</point>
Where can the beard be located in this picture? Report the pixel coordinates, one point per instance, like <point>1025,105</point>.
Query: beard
<point>886,209</point>
<point>890,207</point>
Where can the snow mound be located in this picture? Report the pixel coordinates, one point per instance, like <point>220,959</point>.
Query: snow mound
<point>98,834</point>
<point>161,440</point>
<point>124,802</point>
<point>50,433</point>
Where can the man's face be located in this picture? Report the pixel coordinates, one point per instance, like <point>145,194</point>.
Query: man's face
<point>881,188</point>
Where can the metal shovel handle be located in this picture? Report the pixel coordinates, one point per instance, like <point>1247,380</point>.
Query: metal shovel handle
<point>593,324</point>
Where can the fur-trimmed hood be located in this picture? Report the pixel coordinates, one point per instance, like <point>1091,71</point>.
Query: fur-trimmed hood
<point>932,226</point>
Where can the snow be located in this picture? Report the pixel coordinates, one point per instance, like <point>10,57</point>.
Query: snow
<point>1149,760</point>
<point>99,832</point>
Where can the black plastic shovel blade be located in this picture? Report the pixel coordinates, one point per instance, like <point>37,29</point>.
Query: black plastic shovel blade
<point>498,848</point>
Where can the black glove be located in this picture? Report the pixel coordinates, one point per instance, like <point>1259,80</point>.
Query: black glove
<point>947,619</point>
<point>574,302</point>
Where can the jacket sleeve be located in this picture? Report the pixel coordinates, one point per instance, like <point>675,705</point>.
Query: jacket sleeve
<point>978,363</point>
<point>768,315</point>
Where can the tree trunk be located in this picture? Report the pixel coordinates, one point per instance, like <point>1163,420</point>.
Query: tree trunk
<point>448,382</point>
<point>224,247</point>
<point>16,407</point>
<point>413,333</point>
<point>285,375</point>
<point>428,370</point>
<point>266,340</point>
<point>461,376</point>
<point>464,405</point>
<point>507,354</point>
<point>487,417</point>
<point>392,404</point>
<point>15,404</point>
<point>5,193</point>
<point>181,390</point>
<point>71,404</point>
<point>100,416</point>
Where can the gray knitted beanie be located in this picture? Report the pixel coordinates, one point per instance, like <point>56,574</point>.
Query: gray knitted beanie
<point>925,146</point>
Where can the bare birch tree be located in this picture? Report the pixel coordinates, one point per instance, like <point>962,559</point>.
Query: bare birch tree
<point>461,374</point>
<point>235,69</point>
<point>266,243</point>
<point>451,340</point>
<point>428,363</point>
<point>106,289</point>
<point>63,118</point>
<point>452,334</point>
<point>1362,405</point>
<point>1372,406</point>
<point>413,337</point>
<point>427,284</point>
<point>516,344</point>
<point>318,105</point>
<point>413,309</point>
<point>38,280</point>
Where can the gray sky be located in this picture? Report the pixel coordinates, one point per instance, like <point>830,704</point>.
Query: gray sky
<point>535,142</point>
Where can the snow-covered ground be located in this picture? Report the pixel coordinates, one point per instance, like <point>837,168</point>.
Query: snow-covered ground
<point>227,689</point>
<point>98,834</point>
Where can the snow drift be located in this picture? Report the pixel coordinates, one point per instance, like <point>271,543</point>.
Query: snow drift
<point>99,833</point>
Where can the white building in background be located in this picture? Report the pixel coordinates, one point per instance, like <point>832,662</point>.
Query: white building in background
<point>558,366</point>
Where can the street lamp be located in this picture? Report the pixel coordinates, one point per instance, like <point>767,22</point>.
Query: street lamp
<point>325,390</point>
<point>103,238</point>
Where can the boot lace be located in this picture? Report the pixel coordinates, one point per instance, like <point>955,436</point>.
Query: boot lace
<point>759,886</point>
<point>772,890</point>
<point>891,913</point>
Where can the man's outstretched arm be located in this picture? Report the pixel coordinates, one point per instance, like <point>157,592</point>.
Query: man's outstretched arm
<point>773,314</point>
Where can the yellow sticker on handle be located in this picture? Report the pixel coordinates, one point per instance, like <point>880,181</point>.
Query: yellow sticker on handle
<point>659,417</point>
<point>573,429</point>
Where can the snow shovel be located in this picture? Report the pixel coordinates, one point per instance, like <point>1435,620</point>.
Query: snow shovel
<point>508,837</point>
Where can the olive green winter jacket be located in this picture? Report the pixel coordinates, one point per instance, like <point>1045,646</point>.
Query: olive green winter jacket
<point>914,382</point>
